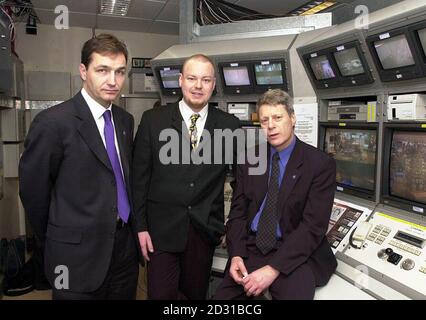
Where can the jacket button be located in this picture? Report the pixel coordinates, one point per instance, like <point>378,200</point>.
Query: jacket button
<point>189,207</point>
<point>192,184</point>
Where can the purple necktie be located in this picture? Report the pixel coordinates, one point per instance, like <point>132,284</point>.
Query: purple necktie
<point>122,199</point>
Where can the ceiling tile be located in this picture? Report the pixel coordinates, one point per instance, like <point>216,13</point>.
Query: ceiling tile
<point>170,12</point>
<point>72,5</point>
<point>164,27</point>
<point>145,9</point>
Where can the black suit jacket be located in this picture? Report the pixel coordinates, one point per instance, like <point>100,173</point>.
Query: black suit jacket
<point>68,190</point>
<point>168,196</point>
<point>304,205</point>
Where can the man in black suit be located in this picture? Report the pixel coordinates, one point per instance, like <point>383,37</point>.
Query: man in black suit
<point>74,183</point>
<point>179,205</point>
<point>278,220</point>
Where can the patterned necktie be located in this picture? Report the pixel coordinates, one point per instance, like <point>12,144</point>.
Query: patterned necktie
<point>193,130</point>
<point>122,199</point>
<point>267,227</point>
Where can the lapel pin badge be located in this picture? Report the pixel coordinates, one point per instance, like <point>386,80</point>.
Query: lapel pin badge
<point>124,132</point>
<point>294,176</point>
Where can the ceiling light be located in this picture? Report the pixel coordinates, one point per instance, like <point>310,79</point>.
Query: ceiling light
<point>115,7</point>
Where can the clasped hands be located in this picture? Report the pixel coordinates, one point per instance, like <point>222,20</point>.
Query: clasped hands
<point>257,281</point>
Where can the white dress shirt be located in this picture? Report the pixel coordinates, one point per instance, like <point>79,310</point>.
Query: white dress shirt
<point>98,111</point>
<point>187,112</point>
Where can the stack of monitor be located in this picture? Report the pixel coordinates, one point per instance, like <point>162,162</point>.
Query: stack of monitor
<point>253,76</point>
<point>354,147</point>
<point>237,77</point>
<point>338,66</point>
<point>398,54</point>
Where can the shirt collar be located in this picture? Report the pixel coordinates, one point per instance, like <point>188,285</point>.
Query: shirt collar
<point>286,152</point>
<point>187,112</point>
<point>95,107</point>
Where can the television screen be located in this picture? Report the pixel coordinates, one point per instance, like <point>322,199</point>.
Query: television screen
<point>394,52</point>
<point>422,36</point>
<point>349,62</point>
<point>355,153</point>
<point>170,78</point>
<point>407,169</point>
<point>267,73</point>
<point>321,68</point>
<point>236,76</point>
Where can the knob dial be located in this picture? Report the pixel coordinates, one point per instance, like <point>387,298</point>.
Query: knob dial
<point>407,264</point>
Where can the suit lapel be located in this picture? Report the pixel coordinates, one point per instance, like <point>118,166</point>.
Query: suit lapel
<point>178,122</point>
<point>261,181</point>
<point>121,133</point>
<point>292,174</point>
<point>211,121</point>
<point>89,131</point>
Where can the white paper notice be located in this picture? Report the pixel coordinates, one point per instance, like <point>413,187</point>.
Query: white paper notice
<point>307,122</point>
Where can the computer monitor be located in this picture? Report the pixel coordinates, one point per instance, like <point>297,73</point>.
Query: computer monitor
<point>395,55</point>
<point>422,38</point>
<point>169,79</point>
<point>236,77</point>
<point>351,64</point>
<point>418,31</point>
<point>354,148</point>
<point>404,173</point>
<point>322,69</point>
<point>269,74</point>
<point>394,52</point>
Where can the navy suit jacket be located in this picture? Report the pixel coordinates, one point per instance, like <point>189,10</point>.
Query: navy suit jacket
<point>304,206</point>
<point>68,190</point>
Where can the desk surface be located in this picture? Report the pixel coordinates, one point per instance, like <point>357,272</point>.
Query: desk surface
<point>336,289</point>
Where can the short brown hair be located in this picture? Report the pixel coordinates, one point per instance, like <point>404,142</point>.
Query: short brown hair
<point>198,57</point>
<point>102,43</point>
<point>276,97</point>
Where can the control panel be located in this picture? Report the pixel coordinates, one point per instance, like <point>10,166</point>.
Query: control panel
<point>345,217</point>
<point>394,248</point>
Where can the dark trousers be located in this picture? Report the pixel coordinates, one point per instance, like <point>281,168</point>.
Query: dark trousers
<point>298,285</point>
<point>183,275</point>
<point>122,277</point>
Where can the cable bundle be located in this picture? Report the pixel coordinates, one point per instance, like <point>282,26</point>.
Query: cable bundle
<point>219,11</point>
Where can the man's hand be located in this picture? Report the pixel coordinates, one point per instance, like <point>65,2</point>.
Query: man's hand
<point>238,270</point>
<point>259,280</point>
<point>145,243</point>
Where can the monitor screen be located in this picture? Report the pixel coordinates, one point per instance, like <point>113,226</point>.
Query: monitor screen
<point>321,68</point>
<point>267,73</point>
<point>422,36</point>
<point>236,75</point>
<point>170,78</point>
<point>349,62</point>
<point>394,52</point>
<point>407,169</point>
<point>355,153</point>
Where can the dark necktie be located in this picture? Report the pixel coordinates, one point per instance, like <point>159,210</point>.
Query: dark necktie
<point>122,199</point>
<point>193,130</point>
<point>267,227</point>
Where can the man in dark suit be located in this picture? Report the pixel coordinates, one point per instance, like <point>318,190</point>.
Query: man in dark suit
<point>179,205</point>
<point>278,220</point>
<point>74,183</point>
